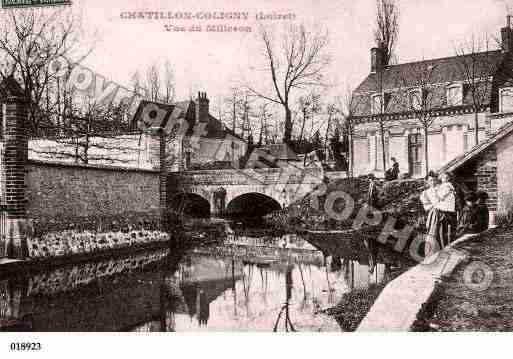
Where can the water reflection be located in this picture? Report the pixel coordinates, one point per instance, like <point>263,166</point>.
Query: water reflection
<point>245,284</point>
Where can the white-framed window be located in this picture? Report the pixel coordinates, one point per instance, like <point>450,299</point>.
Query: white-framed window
<point>376,101</point>
<point>372,147</point>
<point>3,119</point>
<point>415,99</point>
<point>455,95</point>
<point>506,99</point>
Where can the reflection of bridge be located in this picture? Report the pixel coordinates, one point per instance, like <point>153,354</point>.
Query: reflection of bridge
<point>245,191</point>
<point>265,254</point>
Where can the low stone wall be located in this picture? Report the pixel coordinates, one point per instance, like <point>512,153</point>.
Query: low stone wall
<point>71,242</point>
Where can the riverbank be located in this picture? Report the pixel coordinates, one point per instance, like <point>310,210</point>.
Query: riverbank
<point>324,209</point>
<point>355,305</point>
<point>459,305</point>
<point>27,266</point>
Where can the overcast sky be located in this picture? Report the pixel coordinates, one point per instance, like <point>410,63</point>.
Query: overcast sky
<point>210,61</point>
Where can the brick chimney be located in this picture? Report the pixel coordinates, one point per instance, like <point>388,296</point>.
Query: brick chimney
<point>378,61</point>
<point>507,36</point>
<point>202,113</point>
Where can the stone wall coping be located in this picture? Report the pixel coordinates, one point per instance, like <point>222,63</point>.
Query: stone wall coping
<point>257,170</point>
<point>91,166</point>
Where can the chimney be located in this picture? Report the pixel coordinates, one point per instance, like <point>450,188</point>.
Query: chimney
<point>507,36</point>
<point>202,113</point>
<point>377,59</point>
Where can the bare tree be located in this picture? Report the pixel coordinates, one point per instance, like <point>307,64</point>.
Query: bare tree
<point>477,64</point>
<point>246,114</point>
<point>386,28</point>
<point>308,106</point>
<point>232,104</point>
<point>264,115</point>
<point>168,93</point>
<point>295,61</point>
<point>386,33</point>
<point>346,105</point>
<point>420,94</point>
<point>157,83</point>
<point>30,40</point>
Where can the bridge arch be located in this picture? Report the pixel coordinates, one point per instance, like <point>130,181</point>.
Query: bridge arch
<point>190,204</point>
<point>251,204</point>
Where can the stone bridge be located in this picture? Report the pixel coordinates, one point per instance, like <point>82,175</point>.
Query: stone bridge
<point>250,192</point>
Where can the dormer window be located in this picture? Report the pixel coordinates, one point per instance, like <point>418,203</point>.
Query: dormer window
<point>376,101</point>
<point>506,99</point>
<point>455,95</point>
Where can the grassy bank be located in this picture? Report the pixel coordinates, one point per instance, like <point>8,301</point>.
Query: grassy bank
<point>355,305</point>
<point>458,304</point>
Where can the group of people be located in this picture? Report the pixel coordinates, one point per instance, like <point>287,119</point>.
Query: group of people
<point>441,202</point>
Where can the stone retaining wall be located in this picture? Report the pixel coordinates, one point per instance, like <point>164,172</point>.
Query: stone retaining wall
<point>58,191</point>
<point>78,209</point>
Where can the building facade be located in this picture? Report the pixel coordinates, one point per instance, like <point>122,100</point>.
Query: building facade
<point>195,139</point>
<point>433,101</point>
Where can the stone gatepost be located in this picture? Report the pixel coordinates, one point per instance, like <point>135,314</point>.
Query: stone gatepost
<point>14,158</point>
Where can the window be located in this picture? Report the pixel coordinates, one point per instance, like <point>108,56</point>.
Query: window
<point>455,95</point>
<point>415,99</point>
<point>3,118</point>
<point>372,149</point>
<point>415,153</point>
<point>376,104</point>
<point>506,100</point>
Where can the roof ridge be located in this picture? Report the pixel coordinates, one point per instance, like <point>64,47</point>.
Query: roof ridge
<point>498,51</point>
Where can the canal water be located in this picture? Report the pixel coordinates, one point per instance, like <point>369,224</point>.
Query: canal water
<point>239,283</point>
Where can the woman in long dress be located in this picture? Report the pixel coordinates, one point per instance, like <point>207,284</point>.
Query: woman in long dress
<point>447,208</point>
<point>430,199</point>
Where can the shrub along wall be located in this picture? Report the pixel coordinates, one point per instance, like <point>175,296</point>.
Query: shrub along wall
<point>79,209</point>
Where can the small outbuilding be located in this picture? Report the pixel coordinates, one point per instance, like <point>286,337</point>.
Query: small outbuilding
<point>489,167</point>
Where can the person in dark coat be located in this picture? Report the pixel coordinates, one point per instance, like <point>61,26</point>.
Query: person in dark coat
<point>470,220</point>
<point>372,192</point>
<point>482,197</point>
<point>392,173</point>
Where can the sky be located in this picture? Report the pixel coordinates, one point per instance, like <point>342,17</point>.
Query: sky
<point>209,61</point>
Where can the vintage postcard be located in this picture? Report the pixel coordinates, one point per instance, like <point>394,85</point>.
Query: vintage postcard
<point>255,166</point>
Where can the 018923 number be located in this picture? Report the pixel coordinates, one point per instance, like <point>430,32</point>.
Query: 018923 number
<point>25,346</point>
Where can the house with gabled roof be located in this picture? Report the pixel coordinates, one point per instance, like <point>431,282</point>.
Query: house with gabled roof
<point>389,103</point>
<point>198,140</point>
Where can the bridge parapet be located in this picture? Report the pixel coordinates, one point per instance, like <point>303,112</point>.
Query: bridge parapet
<point>245,176</point>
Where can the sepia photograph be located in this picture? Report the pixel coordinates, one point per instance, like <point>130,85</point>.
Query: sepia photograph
<point>255,166</point>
